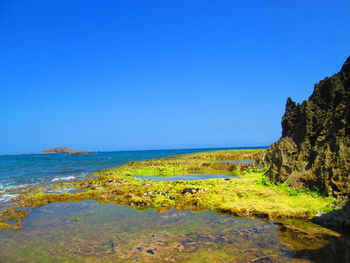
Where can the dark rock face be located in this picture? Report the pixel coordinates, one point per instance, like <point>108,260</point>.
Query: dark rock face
<point>60,150</point>
<point>314,149</point>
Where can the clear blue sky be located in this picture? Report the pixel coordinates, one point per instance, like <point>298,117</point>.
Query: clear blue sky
<point>119,75</point>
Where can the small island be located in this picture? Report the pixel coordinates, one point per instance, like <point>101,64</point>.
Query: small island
<point>60,150</point>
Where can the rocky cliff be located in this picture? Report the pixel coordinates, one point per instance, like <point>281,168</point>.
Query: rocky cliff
<point>314,149</point>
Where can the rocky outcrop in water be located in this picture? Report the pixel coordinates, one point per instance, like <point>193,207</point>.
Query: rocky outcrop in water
<point>314,149</point>
<point>60,150</point>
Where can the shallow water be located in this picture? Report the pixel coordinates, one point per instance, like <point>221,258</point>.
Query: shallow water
<point>110,233</point>
<point>187,177</point>
<point>238,162</point>
<point>66,190</point>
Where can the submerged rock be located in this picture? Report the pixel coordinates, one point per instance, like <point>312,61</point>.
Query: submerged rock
<point>314,149</point>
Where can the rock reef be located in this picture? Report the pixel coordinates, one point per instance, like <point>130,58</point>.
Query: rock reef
<point>314,149</point>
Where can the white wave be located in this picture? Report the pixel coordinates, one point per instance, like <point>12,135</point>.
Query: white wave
<point>7,197</point>
<point>62,178</point>
<point>11,187</point>
<point>22,185</point>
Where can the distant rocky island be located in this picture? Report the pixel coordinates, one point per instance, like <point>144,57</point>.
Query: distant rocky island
<point>60,150</point>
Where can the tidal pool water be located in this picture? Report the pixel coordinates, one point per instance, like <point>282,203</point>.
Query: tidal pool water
<point>238,162</point>
<point>88,231</point>
<point>187,177</point>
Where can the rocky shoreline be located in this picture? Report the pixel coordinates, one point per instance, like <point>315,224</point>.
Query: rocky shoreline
<point>248,193</point>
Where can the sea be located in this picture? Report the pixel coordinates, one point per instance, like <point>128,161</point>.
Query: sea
<point>28,170</point>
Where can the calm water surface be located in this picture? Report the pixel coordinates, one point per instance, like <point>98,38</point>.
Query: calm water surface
<point>187,177</point>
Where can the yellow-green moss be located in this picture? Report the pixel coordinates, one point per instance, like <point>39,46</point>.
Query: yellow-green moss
<point>251,195</point>
<point>170,167</point>
<point>244,197</point>
<point>227,155</point>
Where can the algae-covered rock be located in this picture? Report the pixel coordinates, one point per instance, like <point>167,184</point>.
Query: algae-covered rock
<point>314,149</point>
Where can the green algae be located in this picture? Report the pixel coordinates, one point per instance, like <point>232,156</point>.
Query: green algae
<point>170,167</point>
<point>228,155</point>
<point>250,196</point>
<point>244,197</point>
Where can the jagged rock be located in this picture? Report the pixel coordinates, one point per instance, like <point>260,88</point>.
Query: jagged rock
<point>314,149</point>
<point>60,150</point>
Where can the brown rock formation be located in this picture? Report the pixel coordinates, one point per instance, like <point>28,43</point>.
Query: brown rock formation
<point>60,150</point>
<point>314,149</point>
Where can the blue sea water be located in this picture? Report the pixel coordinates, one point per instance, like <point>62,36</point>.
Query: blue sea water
<point>30,169</point>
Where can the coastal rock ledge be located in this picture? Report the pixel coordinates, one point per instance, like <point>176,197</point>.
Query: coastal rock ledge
<point>60,150</point>
<point>314,149</point>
